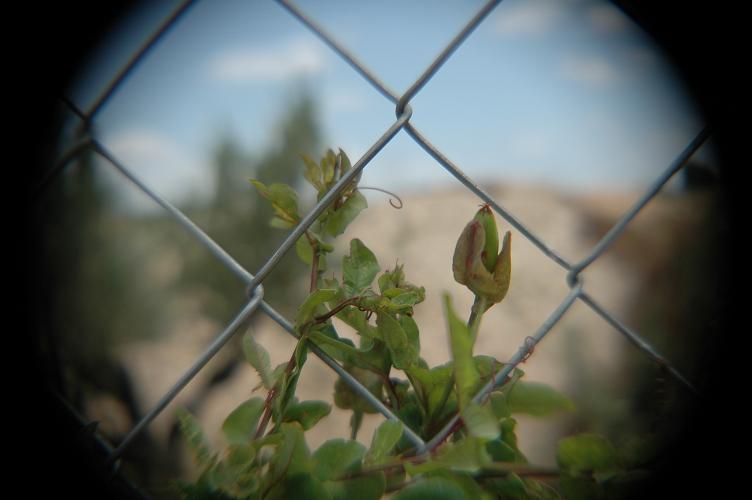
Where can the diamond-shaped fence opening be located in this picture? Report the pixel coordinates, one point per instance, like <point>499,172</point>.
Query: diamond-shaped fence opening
<point>256,304</point>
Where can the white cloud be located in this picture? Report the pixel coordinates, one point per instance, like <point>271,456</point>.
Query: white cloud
<point>590,70</point>
<point>270,64</point>
<point>161,163</point>
<point>530,18</point>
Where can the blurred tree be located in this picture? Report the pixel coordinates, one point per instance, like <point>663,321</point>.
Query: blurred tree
<point>95,294</point>
<point>238,219</point>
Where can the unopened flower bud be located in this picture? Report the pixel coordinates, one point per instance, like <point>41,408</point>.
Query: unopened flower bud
<point>476,263</point>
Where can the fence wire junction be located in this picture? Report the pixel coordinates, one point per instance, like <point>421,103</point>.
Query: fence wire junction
<point>255,301</point>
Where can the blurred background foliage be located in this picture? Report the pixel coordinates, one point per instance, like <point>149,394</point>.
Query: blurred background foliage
<point>104,266</point>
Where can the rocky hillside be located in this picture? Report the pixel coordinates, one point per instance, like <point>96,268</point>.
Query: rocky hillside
<point>580,350</point>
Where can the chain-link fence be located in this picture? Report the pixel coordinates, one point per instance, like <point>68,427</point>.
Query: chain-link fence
<point>256,304</point>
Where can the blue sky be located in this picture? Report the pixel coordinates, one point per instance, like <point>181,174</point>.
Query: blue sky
<point>566,93</point>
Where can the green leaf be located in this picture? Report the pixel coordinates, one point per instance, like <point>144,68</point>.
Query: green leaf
<point>279,223</point>
<point>467,455</point>
<point>368,487</point>
<point>307,309</point>
<point>405,300</point>
<point>341,349</point>
<point>509,436</point>
<point>203,489</point>
<point>385,438</point>
<point>433,488</point>
<point>360,267</point>
<point>307,413</point>
<point>292,454</point>
<point>327,166</point>
<point>346,165</point>
<point>284,201</point>
<point>240,425</point>
<point>580,488</point>
<point>410,328</point>
<point>197,442</point>
<point>357,319</point>
<point>465,373</point>
<point>434,386</point>
<point>467,482</point>
<point>313,173</point>
<point>338,220</point>
<point>480,421</point>
<point>536,399</point>
<point>499,405</point>
<point>240,456</point>
<point>300,486</point>
<point>337,457</point>
<point>305,252</point>
<point>511,487</point>
<point>347,399</point>
<point>258,358</point>
<point>402,351</point>
<point>392,279</point>
<point>501,451</point>
<point>585,453</point>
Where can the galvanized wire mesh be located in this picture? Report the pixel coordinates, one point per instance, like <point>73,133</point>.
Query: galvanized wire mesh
<point>256,304</point>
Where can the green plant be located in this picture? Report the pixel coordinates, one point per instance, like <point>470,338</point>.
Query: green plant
<point>267,455</point>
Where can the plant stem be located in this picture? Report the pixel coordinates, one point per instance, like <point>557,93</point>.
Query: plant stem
<point>271,396</point>
<point>347,302</point>
<point>390,389</point>
<point>473,324</point>
<point>314,261</point>
<point>476,313</point>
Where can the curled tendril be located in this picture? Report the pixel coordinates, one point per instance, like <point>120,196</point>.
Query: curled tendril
<point>393,197</point>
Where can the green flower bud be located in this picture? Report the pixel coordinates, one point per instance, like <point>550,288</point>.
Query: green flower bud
<point>491,245</point>
<point>476,263</point>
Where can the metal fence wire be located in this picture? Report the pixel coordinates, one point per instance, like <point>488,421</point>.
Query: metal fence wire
<point>256,304</point>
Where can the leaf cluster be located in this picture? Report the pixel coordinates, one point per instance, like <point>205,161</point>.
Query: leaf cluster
<point>480,456</point>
